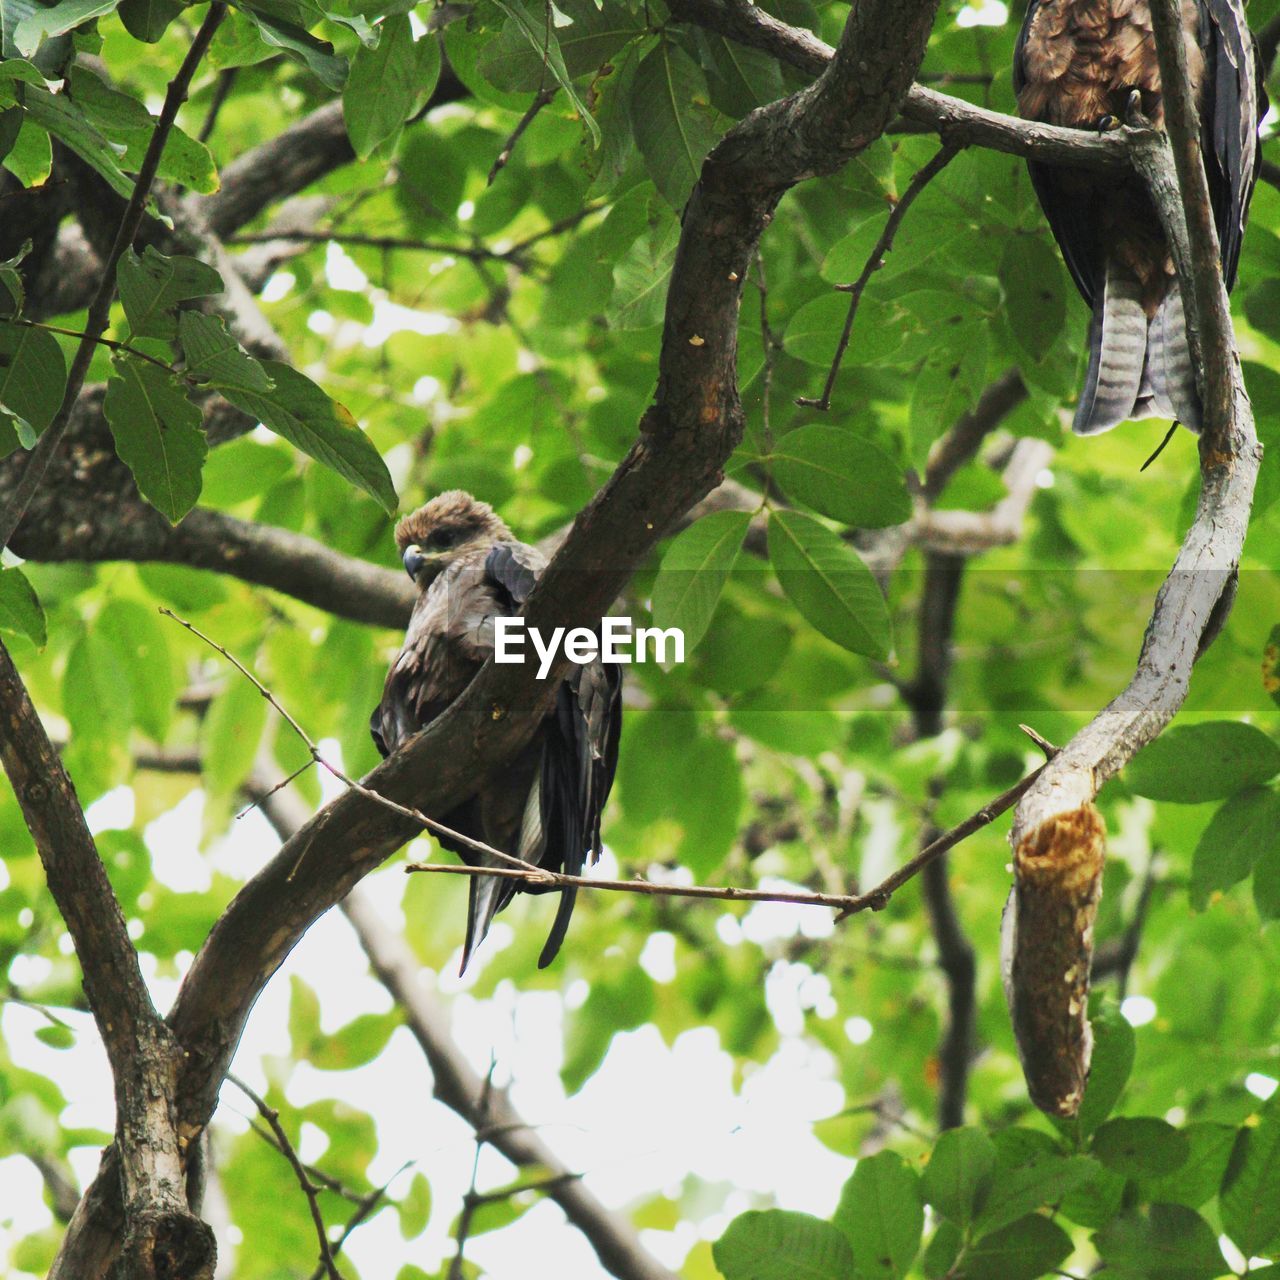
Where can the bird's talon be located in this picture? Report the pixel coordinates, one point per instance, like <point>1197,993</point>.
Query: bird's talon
<point>1108,123</point>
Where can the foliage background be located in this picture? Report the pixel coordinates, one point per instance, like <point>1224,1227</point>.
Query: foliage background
<point>512,350</point>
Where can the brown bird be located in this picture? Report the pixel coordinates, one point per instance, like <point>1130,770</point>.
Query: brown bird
<point>1076,64</point>
<point>544,806</point>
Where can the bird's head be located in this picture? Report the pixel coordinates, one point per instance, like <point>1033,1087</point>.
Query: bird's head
<point>450,526</point>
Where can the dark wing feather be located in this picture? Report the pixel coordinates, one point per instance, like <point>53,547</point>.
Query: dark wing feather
<point>1068,209</point>
<point>1233,104</point>
<point>580,753</point>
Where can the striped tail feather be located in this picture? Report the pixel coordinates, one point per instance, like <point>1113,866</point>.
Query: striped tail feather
<point>1117,350</point>
<point>1138,367</point>
<point>1170,373</point>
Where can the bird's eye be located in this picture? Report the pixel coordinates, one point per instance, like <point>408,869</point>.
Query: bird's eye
<point>443,538</point>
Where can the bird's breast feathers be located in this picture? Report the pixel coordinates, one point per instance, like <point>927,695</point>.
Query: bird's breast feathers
<point>1082,58</point>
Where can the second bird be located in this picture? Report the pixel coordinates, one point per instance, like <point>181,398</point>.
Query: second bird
<point>544,806</point>
<point>1077,63</point>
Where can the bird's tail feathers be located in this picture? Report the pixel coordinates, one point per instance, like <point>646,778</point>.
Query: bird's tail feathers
<point>1170,374</point>
<point>1117,346</point>
<point>482,905</point>
<point>1138,367</point>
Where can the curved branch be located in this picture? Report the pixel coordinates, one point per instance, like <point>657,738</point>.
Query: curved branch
<point>685,439</point>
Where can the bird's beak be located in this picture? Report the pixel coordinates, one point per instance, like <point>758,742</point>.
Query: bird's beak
<point>420,566</point>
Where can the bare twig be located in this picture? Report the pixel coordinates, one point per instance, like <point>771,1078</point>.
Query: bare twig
<point>473,253</point>
<point>883,247</point>
<point>309,1188</point>
<point>540,100</point>
<point>846,904</point>
<point>364,1207</point>
<point>100,308</point>
<point>317,758</point>
<point>221,91</point>
<point>471,1201</point>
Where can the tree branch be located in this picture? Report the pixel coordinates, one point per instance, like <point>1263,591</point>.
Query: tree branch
<point>685,439</point>
<point>161,1235</point>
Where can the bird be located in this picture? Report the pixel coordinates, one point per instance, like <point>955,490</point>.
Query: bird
<point>1078,63</point>
<point>545,805</point>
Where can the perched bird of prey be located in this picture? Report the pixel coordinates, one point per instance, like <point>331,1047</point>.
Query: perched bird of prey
<point>543,806</point>
<point>1077,63</point>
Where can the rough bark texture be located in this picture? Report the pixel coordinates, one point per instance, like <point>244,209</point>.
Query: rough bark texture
<point>1049,939</point>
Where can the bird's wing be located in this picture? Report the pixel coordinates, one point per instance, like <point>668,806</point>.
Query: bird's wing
<point>1234,102</point>
<point>1067,207</point>
<point>580,751</point>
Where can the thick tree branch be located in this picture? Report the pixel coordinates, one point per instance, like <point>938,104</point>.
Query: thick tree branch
<point>161,1235</point>
<point>456,1083</point>
<point>685,439</point>
<point>1210,552</point>
<point>958,123</point>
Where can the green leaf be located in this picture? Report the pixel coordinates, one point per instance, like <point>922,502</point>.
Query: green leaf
<point>141,639</point>
<point>43,24</point>
<point>829,584</point>
<point>230,735</point>
<point>147,20</point>
<point>694,570</point>
<point>1035,293</point>
<point>157,434</point>
<point>11,119</point>
<point>672,119</point>
<point>840,475</point>
<point>1023,1250</point>
<point>56,1036</point>
<point>1168,1242</point>
<point>1198,762</point>
<point>881,1215</point>
<point>213,355</point>
<point>1244,829</point>
<point>125,119</point>
<point>317,56</point>
<point>96,693</point>
<point>358,1043</point>
<point>1113,1052</point>
<point>1198,1178</point>
<point>1250,1196</point>
<point>959,1173</point>
<point>1034,1182</point>
<point>514,64</point>
<point>1140,1146</point>
<point>640,279</point>
<point>303,414</point>
<point>33,374</point>
<point>151,286</point>
<point>382,87</point>
<point>65,120</point>
<point>777,1244</point>
<point>541,35</point>
<point>30,158</point>
<point>20,609</point>
<point>814,331</point>
<point>10,278</point>
<point>415,1208</point>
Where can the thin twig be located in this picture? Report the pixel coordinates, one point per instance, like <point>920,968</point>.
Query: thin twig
<point>541,98</point>
<point>110,343</point>
<point>474,253</point>
<point>471,1201</point>
<point>923,177</point>
<point>100,308</point>
<point>310,1189</point>
<point>364,1207</point>
<point>221,91</point>
<point>846,904</point>
<point>414,815</point>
